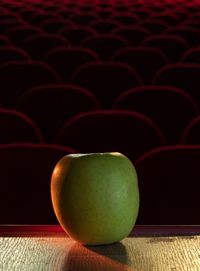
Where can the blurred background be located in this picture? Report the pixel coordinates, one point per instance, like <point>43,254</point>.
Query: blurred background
<point>97,76</point>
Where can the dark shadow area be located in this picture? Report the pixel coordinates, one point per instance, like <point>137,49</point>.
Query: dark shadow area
<point>115,251</point>
<point>105,257</point>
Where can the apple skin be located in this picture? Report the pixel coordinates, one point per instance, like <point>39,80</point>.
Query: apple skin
<point>95,197</point>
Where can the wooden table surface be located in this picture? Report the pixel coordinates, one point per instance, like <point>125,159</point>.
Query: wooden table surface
<point>149,248</point>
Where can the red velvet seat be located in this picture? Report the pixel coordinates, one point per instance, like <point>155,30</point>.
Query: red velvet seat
<point>191,133</point>
<point>142,12</point>
<point>189,34</point>
<point>67,60</point>
<point>50,106</point>
<point>4,41</point>
<point>13,54</point>
<point>87,8</point>
<point>191,56</point>
<point>6,25</point>
<point>111,130</point>
<point>182,14</point>
<point>181,75</point>
<point>76,34</point>
<point>145,60</point>
<point>17,127</point>
<point>121,7</point>
<point>103,26</point>
<point>25,173</point>
<point>134,34</point>
<point>83,19</point>
<point>18,77</point>
<point>169,107</point>
<point>105,13</point>
<point>19,34</point>
<point>154,26</point>
<point>52,26</point>
<point>128,19</point>
<point>65,13</point>
<point>10,16</point>
<point>105,45</point>
<point>169,17</point>
<point>171,45</point>
<point>106,80</point>
<point>37,18</point>
<point>28,12</point>
<point>195,24</point>
<point>39,45</point>
<point>195,15</point>
<point>169,185</point>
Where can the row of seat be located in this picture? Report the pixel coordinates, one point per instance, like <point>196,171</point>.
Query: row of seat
<point>50,48</point>
<point>178,6</point>
<point>40,46</point>
<point>102,3</point>
<point>83,18</point>
<point>170,108</point>
<point>130,132</point>
<point>88,5</point>
<point>152,26</point>
<point>109,79</point>
<point>165,174</point>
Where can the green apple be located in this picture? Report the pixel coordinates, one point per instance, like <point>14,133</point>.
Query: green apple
<point>95,196</point>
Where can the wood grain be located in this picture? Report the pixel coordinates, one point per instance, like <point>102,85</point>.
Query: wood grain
<point>131,254</point>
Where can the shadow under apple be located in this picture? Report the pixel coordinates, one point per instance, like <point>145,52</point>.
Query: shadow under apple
<point>105,257</point>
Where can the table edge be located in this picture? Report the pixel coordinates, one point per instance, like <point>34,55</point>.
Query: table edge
<point>138,230</point>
